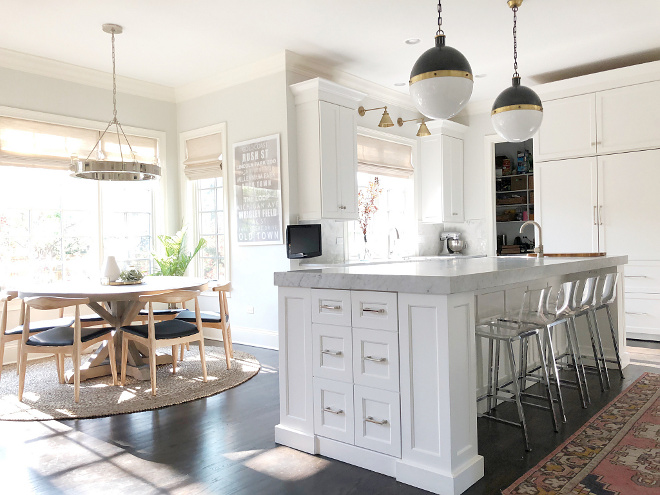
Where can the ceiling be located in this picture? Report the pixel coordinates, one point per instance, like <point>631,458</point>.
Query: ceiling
<point>177,42</point>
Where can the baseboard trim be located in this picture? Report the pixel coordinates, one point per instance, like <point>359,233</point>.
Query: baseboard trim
<point>439,482</point>
<point>295,439</point>
<point>357,456</point>
<point>254,337</point>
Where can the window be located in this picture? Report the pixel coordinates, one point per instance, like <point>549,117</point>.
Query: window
<point>392,230</point>
<point>56,227</point>
<point>206,204</point>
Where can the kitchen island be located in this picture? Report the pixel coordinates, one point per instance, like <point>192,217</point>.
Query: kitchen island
<point>379,366</point>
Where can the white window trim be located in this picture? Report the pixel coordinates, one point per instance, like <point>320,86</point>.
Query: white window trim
<point>188,194</point>
<point>385,136</point>
<point>158,201</point>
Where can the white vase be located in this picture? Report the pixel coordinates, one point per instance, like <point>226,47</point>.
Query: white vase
<point>110,269</point>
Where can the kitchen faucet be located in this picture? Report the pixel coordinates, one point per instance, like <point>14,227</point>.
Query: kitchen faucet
<point>539,238</point>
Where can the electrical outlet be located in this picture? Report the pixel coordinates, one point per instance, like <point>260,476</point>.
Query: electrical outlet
<point>250,310</point>
<point>340,241</point>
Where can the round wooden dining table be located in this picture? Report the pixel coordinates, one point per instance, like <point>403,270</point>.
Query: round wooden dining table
<point>118,305</point>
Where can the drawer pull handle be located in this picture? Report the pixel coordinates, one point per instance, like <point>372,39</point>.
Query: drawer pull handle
<point>370,419</point>
<point>327,306</point>
<point>635,313</point>
<point>333,411</point>
<point>377,311</point>
<point>331,353</point>
<point>636,276</point>
<point>375,359</point>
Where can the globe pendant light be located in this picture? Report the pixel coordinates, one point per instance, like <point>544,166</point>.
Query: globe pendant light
<point>441,80</point>
<point>517,111</point>
<point>100,169</point>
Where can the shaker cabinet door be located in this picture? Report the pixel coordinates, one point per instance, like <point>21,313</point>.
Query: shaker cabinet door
<point>568,129</point>
<point>629,202</point>
<point>567,205</point>
<point>628,118</point>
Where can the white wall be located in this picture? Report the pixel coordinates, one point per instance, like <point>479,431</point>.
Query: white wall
<point>251,110</point>
<point>45,94</point>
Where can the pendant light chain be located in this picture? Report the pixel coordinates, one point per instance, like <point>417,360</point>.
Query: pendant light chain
<point>440,31</point>
<point>515,43</point>
<point>114,113</point>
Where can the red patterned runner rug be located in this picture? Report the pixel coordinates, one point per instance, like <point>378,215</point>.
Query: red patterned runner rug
<point>616,453</point>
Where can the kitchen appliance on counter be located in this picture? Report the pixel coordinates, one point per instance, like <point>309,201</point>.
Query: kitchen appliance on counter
<point>454,242</point>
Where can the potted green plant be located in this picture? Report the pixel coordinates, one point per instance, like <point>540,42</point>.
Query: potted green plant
<point>176,259</point>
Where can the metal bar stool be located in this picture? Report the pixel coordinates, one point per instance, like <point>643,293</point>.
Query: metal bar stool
<point>498,332</point>
<point>607,297</point>
<point>582,304</point>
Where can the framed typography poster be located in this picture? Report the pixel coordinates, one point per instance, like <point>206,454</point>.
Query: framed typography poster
<point>258,191</point>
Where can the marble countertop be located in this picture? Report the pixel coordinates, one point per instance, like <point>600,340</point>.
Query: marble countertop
<point>446,275</point>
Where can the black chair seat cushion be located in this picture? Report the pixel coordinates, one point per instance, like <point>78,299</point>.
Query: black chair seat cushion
<point>88,318</point>
<point>207,317</point>
<point>162,312</point>
<point>63,336</point>
<point>40,326</point>
<point>168,329</point>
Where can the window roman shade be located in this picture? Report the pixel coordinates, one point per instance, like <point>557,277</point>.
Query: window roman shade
<point>203,157</point>
<point>377,156</point>
<point>30,143</point>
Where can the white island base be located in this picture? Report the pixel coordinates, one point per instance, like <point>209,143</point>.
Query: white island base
<point>379,366</point>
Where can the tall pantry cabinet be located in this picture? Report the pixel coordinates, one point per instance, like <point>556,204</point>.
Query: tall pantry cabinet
<point>598,188</point>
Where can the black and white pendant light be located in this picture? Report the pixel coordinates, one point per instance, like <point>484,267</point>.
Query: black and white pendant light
<point>441,80</point>
<point>517,112</point>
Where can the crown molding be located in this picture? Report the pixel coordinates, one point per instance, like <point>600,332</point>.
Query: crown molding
<point>309,68</point>
<point>232,77</point>
<point>589,83</point>
<point>82,75</point>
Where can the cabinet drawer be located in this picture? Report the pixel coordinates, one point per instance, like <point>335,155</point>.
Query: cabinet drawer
<point>643,315</point>
<point>333,410</point>
<point>642,278</point>
<point>376,358</point>
<point>331,307</point>
<point>333,354</point>
<point>375,310</point>
<point>377,420</point>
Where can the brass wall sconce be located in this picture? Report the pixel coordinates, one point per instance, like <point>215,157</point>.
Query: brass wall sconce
<point>423,129</point>
<point>385,121</point>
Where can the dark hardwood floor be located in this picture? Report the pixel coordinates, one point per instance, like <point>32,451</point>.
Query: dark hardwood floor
<point>225,445</point>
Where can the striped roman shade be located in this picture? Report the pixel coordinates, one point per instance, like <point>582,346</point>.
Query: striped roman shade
<point>203,157</point>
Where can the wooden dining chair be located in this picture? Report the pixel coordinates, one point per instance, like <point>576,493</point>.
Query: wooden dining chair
<point>215,320</point>
<point>14,334</point>
<point>164,333</point>
<point>62,340</point>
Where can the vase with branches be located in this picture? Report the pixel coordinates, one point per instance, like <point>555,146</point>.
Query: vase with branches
<point>367,207</point>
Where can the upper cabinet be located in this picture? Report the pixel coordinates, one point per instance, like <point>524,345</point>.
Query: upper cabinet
<point>611,121</point>
<point>327,149</point>
<point>568,129</point>
<point>441,173</point>
<point>628,118</point>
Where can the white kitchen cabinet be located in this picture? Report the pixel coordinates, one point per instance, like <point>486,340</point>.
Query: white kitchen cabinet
<point>327,149</point>
<point>377,420</point>
<point>608,204</point>
<point>567,205</point>
<point>441,173</point>
<point>628,118</point>
<point>610,121</point>
<point>568,129</point>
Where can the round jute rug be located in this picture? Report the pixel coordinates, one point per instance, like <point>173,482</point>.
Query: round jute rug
<point>45,398</point>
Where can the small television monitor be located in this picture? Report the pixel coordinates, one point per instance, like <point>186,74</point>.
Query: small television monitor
<point>303,241</point>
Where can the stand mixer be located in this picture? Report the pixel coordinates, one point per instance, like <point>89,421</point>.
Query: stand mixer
<point>454,242</point>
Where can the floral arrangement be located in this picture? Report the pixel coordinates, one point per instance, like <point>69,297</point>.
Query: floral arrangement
<point>367,204</point>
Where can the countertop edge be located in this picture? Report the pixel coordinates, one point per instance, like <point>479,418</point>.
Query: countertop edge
<point>443,284</point>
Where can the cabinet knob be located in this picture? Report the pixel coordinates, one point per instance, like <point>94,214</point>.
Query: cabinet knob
<point>342,207</point>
